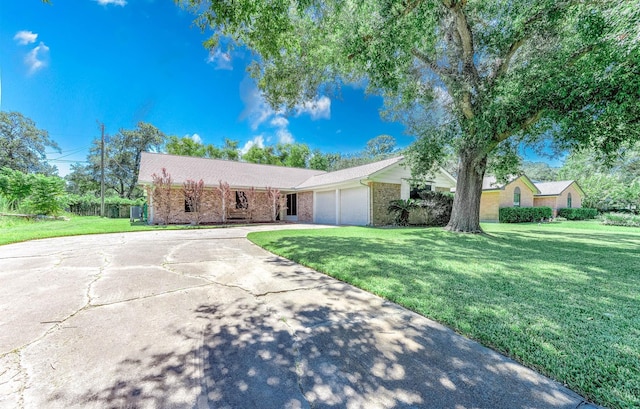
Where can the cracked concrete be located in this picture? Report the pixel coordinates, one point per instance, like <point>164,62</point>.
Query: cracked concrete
<point>200,319</point>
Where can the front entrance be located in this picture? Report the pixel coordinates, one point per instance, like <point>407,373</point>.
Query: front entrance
<point>292,208</point>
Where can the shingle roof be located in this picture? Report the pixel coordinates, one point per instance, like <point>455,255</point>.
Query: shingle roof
<point>211,171</point>
<point>349,174</point>
<point>553,188</point>
<point>491,183</point>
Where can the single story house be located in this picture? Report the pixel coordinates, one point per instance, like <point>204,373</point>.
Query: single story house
<point>355,196</point>
<point>520,191</point>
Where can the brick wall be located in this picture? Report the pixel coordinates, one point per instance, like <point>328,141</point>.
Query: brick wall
<point>210,208</point>
<point>547,201</point>
<point>490,205</point>
<point>305,207</point>
<point>576,199</point>
<point>526,194</point>
<point>381,195</point>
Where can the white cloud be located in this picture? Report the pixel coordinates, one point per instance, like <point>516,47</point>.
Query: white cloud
<point>280,122</point>
<point>37,58</point>
<point>258,112</point>
<point>25,37</point>
<point>320,108</point>
<point>220,60</point>
<point>258,141</point>
<point>256,108</point>
<point>120,3</point>
<point>284,136</point>
<point>195,137</point>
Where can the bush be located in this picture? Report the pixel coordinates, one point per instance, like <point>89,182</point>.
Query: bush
<point>435,208</point>
<point>524,214</point>
<point>401,208</point>
<point>583,213</point>
<point>48,196</point>
<point>621,219</point>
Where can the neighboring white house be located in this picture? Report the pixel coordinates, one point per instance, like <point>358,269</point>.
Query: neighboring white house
<point>355,196</point>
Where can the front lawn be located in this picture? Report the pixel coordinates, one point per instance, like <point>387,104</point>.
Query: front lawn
<point>13,229</point>
<point>562,298</point>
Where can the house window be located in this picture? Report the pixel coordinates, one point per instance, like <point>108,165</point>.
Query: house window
<point>241,200</point>
<point>569,200</point>
<point>516,197</point>
<point>292,204</point>
<point>189,205</point>
<point>415,191</point>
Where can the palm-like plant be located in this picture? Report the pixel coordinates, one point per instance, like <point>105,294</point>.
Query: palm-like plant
<point>401,208</point>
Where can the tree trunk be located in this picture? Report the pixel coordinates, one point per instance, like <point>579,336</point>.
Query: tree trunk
<point>465,215</point>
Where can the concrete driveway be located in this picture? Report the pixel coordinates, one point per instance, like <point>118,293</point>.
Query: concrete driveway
<point>205,319</point>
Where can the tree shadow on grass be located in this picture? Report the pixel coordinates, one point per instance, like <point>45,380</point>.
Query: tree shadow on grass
<point>566,306</point>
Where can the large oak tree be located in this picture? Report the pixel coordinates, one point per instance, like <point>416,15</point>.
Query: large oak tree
<point>473,76</point>
<point>23,145</point>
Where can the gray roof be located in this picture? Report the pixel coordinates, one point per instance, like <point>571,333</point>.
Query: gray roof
<point>553,188</point>
<point>491,183</point>
<point>211,171</point>
<point>349,174</point>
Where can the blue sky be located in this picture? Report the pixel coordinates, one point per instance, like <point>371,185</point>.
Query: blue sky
<point>73,63</point>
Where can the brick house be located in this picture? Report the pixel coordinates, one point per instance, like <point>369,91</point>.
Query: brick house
<point>520,191</point>
<point>354,196</point>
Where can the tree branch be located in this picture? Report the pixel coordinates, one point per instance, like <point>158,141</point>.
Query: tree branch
<point>432,65</point>
<point>524,125</point>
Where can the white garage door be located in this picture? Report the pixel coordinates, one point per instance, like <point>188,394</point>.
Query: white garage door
<point>354,205</point>
<point>326,207</point>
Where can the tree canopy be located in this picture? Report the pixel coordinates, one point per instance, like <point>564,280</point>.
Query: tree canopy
<point>23,146</point>
<point>477,77</point>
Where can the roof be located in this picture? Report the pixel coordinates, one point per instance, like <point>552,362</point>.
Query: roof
<point>555,188</point>
<point>349,174</point>
<point>212,171</point>
<point>491,183</point>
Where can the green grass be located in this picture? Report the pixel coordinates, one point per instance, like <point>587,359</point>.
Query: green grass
<point>13,229</point>
<point>562,298</point>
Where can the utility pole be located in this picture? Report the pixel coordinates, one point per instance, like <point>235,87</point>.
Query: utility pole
<point>102,173</point>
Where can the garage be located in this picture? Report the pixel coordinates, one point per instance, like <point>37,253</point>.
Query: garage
<point>354,206</point>
<point>325,207</point>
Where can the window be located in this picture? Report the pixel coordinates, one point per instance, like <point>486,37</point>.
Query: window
<point>241,200</point>
<point>569,200</point>
<point>189,205</point>
<point>292,204</point>
<point>415,191</point>
<point>516,197</point>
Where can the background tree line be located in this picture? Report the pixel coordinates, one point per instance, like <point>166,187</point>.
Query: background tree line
<point>609,184</point>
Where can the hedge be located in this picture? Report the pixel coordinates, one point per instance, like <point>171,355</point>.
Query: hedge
<point>524,214</point>
<point>621,219</point>
<point>582,213</point>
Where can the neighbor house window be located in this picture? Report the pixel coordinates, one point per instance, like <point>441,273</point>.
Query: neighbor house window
<point>241,200</point>
<point>292,204</point>
<point>415,191</point>
<point>516,197</point>
<point>569,200</point>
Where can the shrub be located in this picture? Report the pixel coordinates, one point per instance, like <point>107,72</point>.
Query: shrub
<point>15,187</point>
<point>435,208</point>
<point>48,195</point>
<point>401,208</point>
<point>621,219</point>
<point>583,213</point>
<point>524,214</point>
